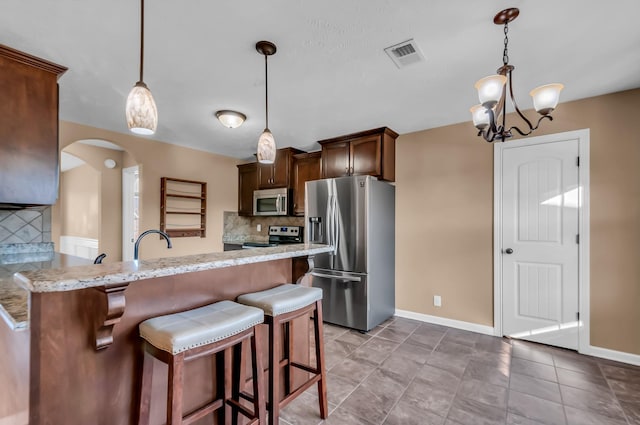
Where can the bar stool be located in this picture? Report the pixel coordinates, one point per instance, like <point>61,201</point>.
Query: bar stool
<point>180,337</point>
<point>281,305</point>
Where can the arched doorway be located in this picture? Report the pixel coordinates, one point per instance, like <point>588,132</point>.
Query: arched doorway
<point>87,219</point>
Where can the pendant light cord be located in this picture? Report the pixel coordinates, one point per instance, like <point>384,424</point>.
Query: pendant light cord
<point>266,93</point>
<point>141,38</point>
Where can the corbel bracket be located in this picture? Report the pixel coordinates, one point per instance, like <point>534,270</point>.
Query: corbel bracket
<point>115,304</point>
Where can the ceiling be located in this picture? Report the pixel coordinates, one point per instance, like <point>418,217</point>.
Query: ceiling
<point>330,75</point>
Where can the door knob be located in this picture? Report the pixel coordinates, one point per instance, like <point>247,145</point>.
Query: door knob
<point>508,251</point>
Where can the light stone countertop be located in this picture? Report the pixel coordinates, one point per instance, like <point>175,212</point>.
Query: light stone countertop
<point>14,299</point>
<point>72,278</point>
<point>65,273</point>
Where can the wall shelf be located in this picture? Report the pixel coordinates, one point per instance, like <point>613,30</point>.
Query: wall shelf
<point>182,200</point>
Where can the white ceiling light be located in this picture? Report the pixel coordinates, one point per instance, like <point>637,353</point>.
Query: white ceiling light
<point>141,111</point>
<point>266,151</point>
<point>489,117</point>
<point>231,119</point>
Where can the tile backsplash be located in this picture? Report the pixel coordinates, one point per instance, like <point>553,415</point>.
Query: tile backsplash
<point>29,225</point>
<point>239,229</point>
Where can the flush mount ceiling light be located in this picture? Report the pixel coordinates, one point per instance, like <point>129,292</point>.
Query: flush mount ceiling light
<point>490,115</point>
<point>266,151</point>
<point>141,111</point>
<point>231,119</point>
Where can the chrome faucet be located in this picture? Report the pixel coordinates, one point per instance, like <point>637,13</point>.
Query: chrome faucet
<point>137,244</point>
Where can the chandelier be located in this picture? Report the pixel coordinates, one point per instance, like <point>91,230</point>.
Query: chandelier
<point>490,115</point>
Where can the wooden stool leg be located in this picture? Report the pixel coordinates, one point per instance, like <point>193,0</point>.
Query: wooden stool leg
<point>275,340</point>
<point>288,349</point>
<point>145,388</point>
<point>231,372</point>
<point>174,396</point>
<point>259,405</point>
<point>322,383</point>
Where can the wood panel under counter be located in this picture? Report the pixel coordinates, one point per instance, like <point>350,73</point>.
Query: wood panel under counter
<point>73,383</point>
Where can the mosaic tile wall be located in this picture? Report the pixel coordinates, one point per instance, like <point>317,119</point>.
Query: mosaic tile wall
<point>239,229</point>
<point>30,225</point>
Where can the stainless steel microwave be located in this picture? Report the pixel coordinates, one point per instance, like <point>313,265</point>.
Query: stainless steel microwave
<point>270,201</point>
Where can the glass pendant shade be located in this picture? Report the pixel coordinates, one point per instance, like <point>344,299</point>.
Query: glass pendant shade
<point>141,111</point>
<point>490,89</point>
<point>546,98</point>
<point>480,116</point>
<point>266,151</point>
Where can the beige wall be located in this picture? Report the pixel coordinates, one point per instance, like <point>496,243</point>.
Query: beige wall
<point>79,202</point>
<point>445,213</point>
<point>156,160</point>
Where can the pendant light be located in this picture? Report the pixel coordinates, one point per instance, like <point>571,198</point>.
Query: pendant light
<point>141,111</point>
<point>266,151</point>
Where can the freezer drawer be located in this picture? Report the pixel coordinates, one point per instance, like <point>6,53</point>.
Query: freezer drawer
<point>344,299</point>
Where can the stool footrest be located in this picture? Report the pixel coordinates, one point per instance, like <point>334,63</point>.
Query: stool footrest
<point>302,388</point>
<point>306,368</point>
<point>246,412</point>
<point>202,412</point>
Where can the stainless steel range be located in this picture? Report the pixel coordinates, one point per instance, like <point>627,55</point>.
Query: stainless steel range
<point>279,235</point>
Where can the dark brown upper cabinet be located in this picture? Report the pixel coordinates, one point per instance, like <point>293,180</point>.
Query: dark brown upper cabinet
<point>371,152</point>
<point>277,174</point>
<point>28,128</point>
<point>306,167</point>
<point>247,183</point>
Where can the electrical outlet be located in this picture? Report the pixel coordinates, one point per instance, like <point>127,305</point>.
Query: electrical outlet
<point>437,300</point>
<point>259,227</point>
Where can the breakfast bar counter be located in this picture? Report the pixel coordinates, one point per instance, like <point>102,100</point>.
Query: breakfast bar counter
<point>74,355</point>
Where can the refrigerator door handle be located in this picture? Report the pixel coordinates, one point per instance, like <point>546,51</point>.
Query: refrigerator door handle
<point>336,227</point>
<point>332,276</point>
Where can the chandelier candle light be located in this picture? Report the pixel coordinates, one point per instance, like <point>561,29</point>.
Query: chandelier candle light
<point>266,151</point>
<point>141,111</point>
<point>490,115</point>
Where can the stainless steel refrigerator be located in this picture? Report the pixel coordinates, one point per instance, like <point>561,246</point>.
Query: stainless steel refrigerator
<point>355,215</point>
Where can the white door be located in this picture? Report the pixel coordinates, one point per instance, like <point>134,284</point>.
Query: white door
<point>130,210</point>
<point>540,201</point>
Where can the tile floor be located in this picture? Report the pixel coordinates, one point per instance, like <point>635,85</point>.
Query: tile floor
<point>408,372</point>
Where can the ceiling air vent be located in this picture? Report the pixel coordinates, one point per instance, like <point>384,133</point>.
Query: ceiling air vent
<point>405,53</point>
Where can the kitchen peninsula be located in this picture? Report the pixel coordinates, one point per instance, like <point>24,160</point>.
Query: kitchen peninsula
<point>80,351</point>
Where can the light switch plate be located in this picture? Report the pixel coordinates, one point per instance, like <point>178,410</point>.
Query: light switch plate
<point>437,300</point>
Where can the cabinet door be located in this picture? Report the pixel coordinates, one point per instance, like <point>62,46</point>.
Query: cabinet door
<point>265,174</point>
<point>306,167</point>
<point>247,183</point>
<point>281,168</point>
<point>365,156</point>
<point>335,160</point>
<point>28,129</point>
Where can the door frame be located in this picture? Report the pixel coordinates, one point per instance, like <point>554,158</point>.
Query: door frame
<point>583,228</point>
<point>127,209</point>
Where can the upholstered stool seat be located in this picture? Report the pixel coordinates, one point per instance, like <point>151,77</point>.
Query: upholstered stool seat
<point>179,337</point>
<point>281,305</point>
<point>282,299</point>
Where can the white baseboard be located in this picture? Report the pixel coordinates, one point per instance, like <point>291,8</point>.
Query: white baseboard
<point>619,356</point>
<point>78,246</point>
<point>605,353</point>
<point>458,324</point>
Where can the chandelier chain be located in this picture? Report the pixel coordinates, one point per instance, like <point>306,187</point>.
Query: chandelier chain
<point>505,52</point>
